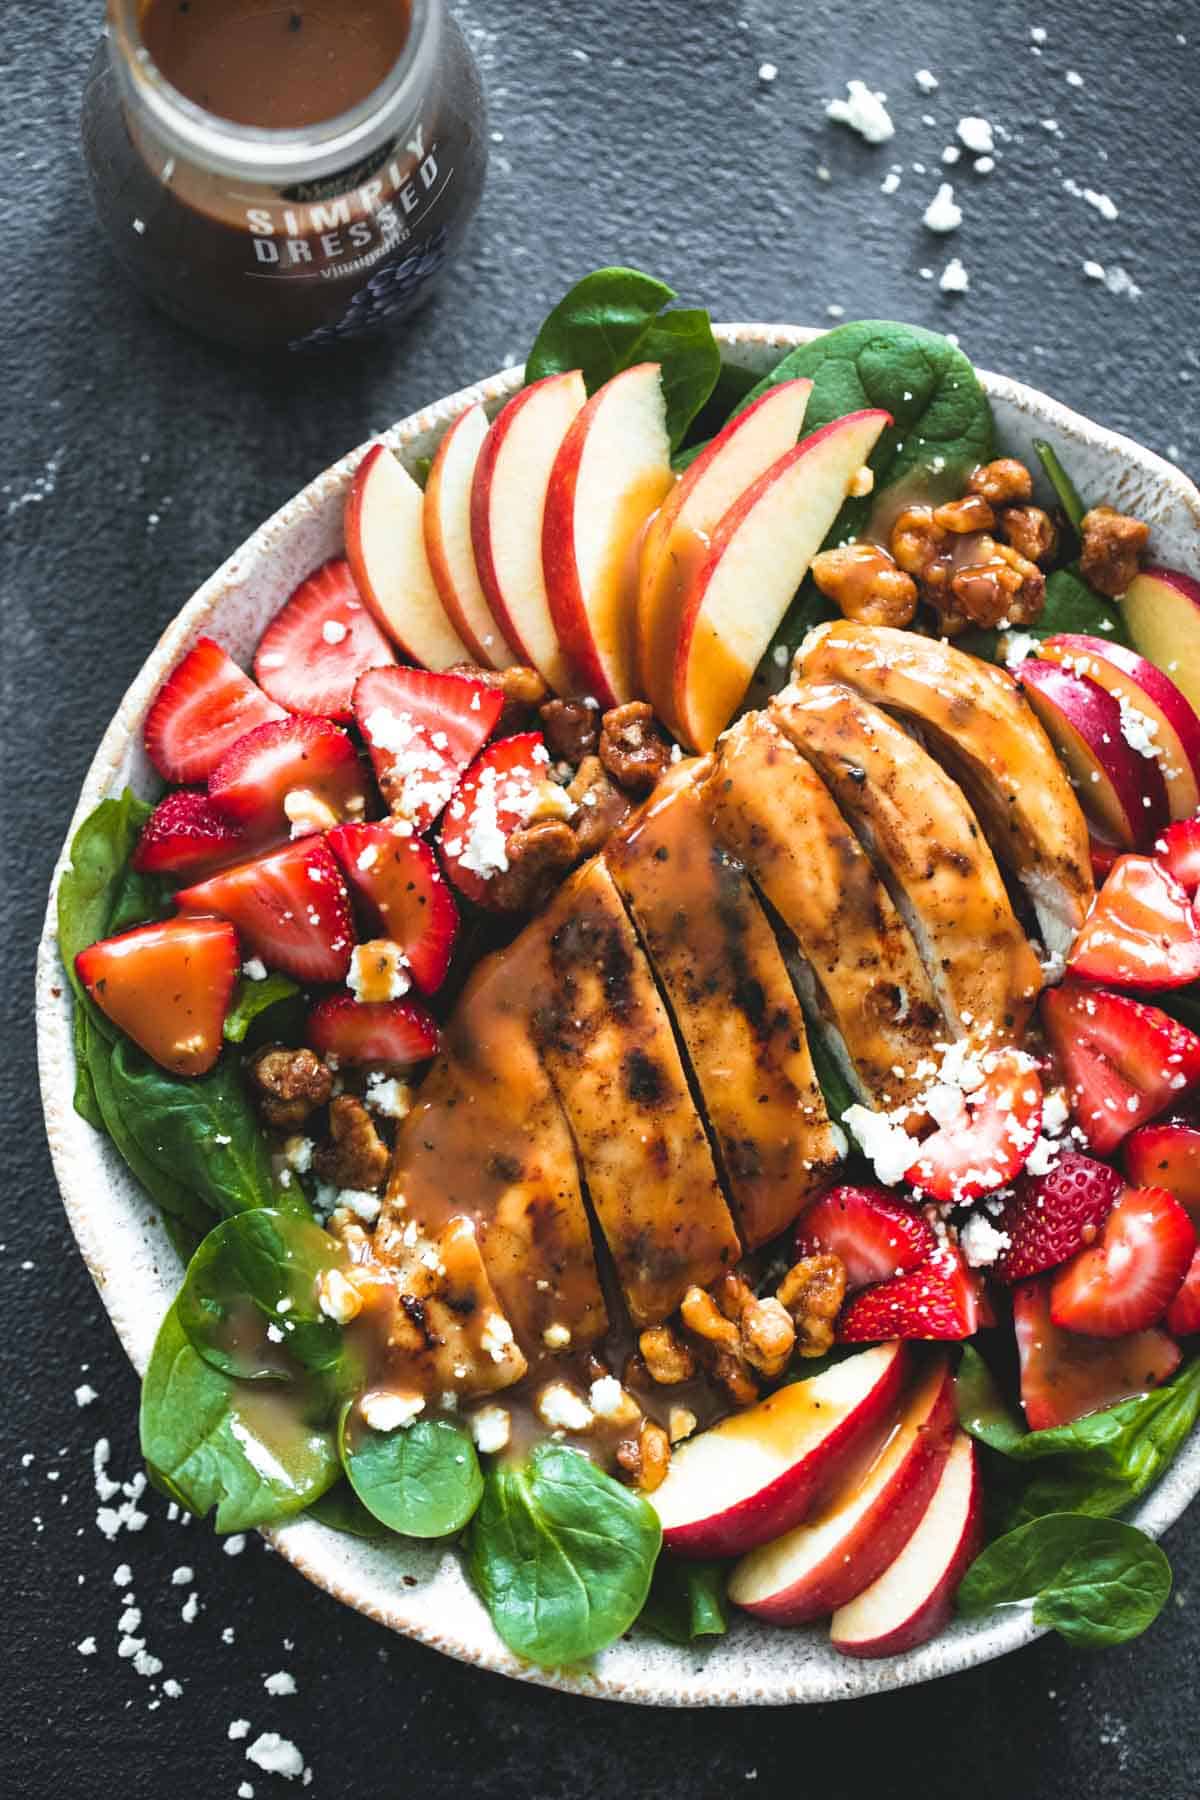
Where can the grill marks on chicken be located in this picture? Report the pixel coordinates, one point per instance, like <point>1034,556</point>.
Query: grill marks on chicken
<point>931,852</point>
<point>872,992</point>
<point>734,1007</point>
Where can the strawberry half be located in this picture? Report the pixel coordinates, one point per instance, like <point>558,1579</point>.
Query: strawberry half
<point>168,987</point>
<point>186,835</point>
<point>1183,1314</point>
<point>497,793</point>
<point>402,1032</point>
<point>1167,1154</point>
<point>875,1235</point>
<point>988,1144</point>
<point>203,707</point>
<point>318,644</point>
<point>1126,1280</point>
<point>1050,1217</point>
<point>297,772</point>
<point>1142,932</point>
<point>1123,1061</point>
<point>1178,850</point>
<point>404,894</point>
<point>1065,1376</point>
<point>290,907</point>
<point>422,730</point>
<point>940,1299</point>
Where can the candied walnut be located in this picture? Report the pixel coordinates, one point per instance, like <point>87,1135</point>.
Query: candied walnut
<point>865,585</point>
<point>633,747</point>
<point>523,690</point>
<point>571,729</point>
<point>701,1314</point>
<point>812,1292</point>
<point>1030,531</point>
<point>1001,587</point>
<point>601,805</point>
<point>665,1355</point>
<point>646,1457</point>
<point>917,541</point>
<point>357,1156</point>
<point>287,1085</point>
<point>539,856</point>
<point>971,513</point>
<point>1112,544</point>
<point>733,1375</point>
<point>732,1294</point>
<point>1002,481</point>
<point>768,1336</point>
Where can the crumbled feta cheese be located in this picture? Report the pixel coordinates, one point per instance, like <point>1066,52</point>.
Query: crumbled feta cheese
<point>951,154</point>
<point>385,1411</point>
<point>85,1393</point>
<point>767,72</point>
<point>379,970</point>
<point>388,1095</point>
<point>980,1241</point>
<point>954,278</point>
<point>496,1337</point>
<point>609,1401</point>
<point>277,1755</point>
<point>943,214</point>
<point>551,801</point>
<point>172,1688</point>
<point>338,1298</point>
<point>239,1728</point>
<point>298,1153</point>
<point>334,632</point>
<point>87,1647</point>
<point>884,1143</point>
<point>307,812</point>
<point>863,111</point>
<point>561,1408</point>
<point>254,969</point>
<point>976,134</point>
<point>890,182</point>
<point>233,1546</point>
<point>926,80</point>
<point>280,1683</point>
<point>491,1428</point>
<point>556,1337</point>
<point>1138,730</point>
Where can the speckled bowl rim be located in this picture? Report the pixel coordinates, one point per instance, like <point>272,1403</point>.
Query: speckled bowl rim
<point>754,1666</point>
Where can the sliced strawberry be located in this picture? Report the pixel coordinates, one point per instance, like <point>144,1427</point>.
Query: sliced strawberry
<point>206,704</point>
<point>373,1031</point>
<point>290,907</point>
<point>1183,1314</point>
<point>1167,1154</point>
<point>1126,1280</point>
<point>940,1299</point>
<point>1178,850</point>
<point>497,793</point>
<point>1142,932</point>
<point>318,644</point>
<point>404,894</point>
<point>1050,1217</point>
<point>1124,1062</point>
<point>987,1144</point>
<point>1065,1376</point>
<point>298,772</point>
<point>422,730</point>
<point>875,1235</point>
<point>168,986</point>
<point>186,835</point>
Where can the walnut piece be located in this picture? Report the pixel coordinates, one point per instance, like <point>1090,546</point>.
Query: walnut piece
<point>540,856</point>
<point>1112,544</point>
<point>523,690</point>
<point>865,585</point>
<point>1000,587</point>
<point>646,1457</point>
<point>1002,481</point>
<point>1030,531</point>
<point>812,1292</point>
<point>288,1085</point>
<point>602,805</point>
<point>971,513</point>
<point>357,1157</point>
<point>571,729</point>
<point>667,1358</point>
<point>701,1314</point>
<point>633,747</point>
<point>768,1336</point>
<point>917,541</point>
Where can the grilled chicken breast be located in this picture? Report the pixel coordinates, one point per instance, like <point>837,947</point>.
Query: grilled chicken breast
<point>869,987</point>
<point>734,1006</point>
<point>974,718</point>
<point>930,849</point>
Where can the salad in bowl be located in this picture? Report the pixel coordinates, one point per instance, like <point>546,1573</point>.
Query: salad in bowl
<point>658,1008</point>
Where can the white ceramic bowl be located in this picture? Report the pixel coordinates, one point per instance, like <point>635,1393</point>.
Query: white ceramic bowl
<point>421,1591</point>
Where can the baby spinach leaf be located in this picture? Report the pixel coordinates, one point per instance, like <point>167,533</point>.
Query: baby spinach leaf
<point>342,1510</point>
<point>220,1443</point>
<point>254,998</point>
<point>259,1269</point>
<point>421,1480</point>
<point>1068,494</point>
<point>1071,605</point>
<point>614,318</point>
<point>85,1101</point>
<point>831,1079</point>
<point>561,1555</point>
<point>97,880</point>
<point>686,1601</point>
<point>1095,1581</point>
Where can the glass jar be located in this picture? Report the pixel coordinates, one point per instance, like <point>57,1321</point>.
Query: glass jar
<point>265,237</point>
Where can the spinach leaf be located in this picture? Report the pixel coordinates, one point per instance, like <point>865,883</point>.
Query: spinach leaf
<point>614,318</point>
<point>86,1103</point>
<point>254,998</point>
<point>260,1269</point>
<point>686,1601</point>
<point>97,883</point>
<point>213,1442</point>
<point>342,1510</point>
<point>1068,494</point>
<point>421,1480</point>
<point>1095,1581</point>
<point>732,385</point>
<point>831,1079</point>
<point>561,1555</point>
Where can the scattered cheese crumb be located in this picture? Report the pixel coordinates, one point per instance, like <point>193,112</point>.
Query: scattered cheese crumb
<point>491,1428</point>
<point>240,1728</point>
<point>386,1411</point>
<point>85,1393</point>
<point>954,278</point>
<point>767,71</point>
<point>556,1337</point>
<point>277,1755</point>
<point>864,112</point>
<point>87,1647</point>
<point>233,1546</point>
<point>334,632</point>
<point>926,80</point>
<point>255,969</point>
<point>280,1683</point>
<point>976,134</point>
<point>560,1408</point>
<point>980,1241</point>
<point>338,1298</point>
<point>609,1401</point>
<point>942,214</point>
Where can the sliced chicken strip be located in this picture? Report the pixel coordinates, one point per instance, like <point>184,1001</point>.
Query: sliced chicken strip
<point>725,982</point>
<point>487,1140</point>
<point>607,1043</point>
<point>931,851</point>
<point>861,973</point>
<point>974,717</point>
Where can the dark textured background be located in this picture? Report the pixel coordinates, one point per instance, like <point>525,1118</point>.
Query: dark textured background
<point>133,459</point>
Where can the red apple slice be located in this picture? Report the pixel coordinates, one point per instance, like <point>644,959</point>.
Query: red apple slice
<point>760,1472</point>
<point>1162,610</point>
<point>914,1597</point>
<point>759,555</point>
<point>385,547</point>
<point>677,538</point>
<point>1156,718</point>
<point>1121,792</point>
<point>611,472</point>
<point>508,504</point>
<point>818,1567</point>
<point>446,517</point>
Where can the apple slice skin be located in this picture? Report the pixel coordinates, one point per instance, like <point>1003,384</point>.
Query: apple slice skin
<point>414,618</point>
<point>1129,799</point>
<point>446,520</point>
<point>1162,610</point>
<point>899,1488</point>
<point>767,1512</point>
<point>946,1541</point>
